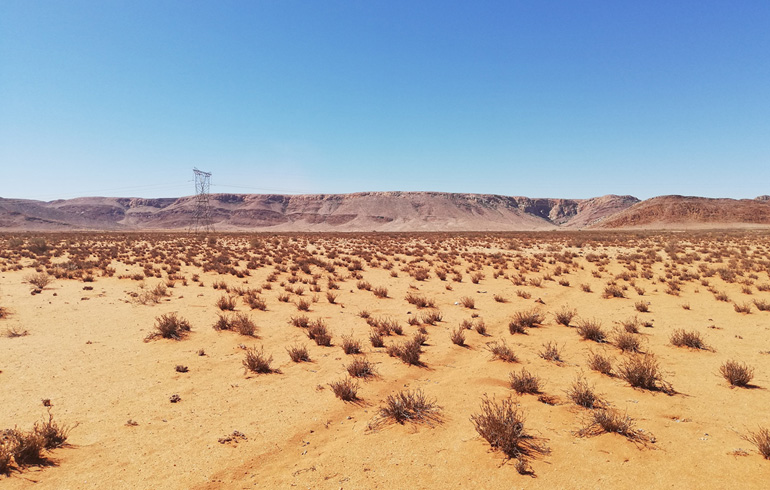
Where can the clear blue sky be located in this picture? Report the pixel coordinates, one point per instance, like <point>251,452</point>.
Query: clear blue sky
<point>538,98</point>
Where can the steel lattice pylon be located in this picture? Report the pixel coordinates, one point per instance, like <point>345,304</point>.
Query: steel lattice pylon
<point>202,214</point>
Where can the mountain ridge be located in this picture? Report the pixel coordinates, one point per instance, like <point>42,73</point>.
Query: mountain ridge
<point>383,211</point>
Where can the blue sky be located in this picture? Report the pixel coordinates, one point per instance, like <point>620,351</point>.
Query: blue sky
<point>540,98</point>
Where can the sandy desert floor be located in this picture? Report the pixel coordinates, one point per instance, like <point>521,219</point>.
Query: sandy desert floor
<point>82,343</point>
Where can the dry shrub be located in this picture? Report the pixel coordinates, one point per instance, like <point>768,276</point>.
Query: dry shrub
<point>682,338</point>
<point>591,330</point>
<point>226,303</point>
<point>643,371</point>
<point>480,327</point>
<point>762,305</point>
<point>523,320</point>
<point>609,420</point>
<point>243,325</point>
<point>410,406</point>
<point>350,345</point>
<point>257,361</point>
<point>565,315</point>
<point>642,306</point>
<point>525,382</point>
<point>301,321</point>
<point>53,434</point>
<point>169,326</point>
<point>298,353</point>
<point>468,302</point>
<point>255,302</point>
<point>26,447</point>
<point>375,337</point>
<point>154,295</point>
<point>318,332</point>
<point>502,425</point>
<point>583,394</point>
<point>331,297</point>
<point>613,291</point>
<point>551,352</point>
<point>409,352</point>
<point>6,456</point>
<point>721,296</point>
<point>345,389</point>
<point>500,350</point>
<point>631,325</point>
<point>586,288</point>
<point>361,368</point>
<point>13,332</point>
<point>303,305</point>
<point>223,323</point>
<point>761,439</point>
<point>742,308</point>
<point>380,292</point>
<point>627,342</point>
<point>499,298</point>
<point>39,280</point>
<point>432,317</point>
<point>600,362</point>
<point>419,301</point>
<point>737,374</point>
<point>458,336</point>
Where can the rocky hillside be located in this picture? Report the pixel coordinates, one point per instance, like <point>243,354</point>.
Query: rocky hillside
<point>365,211</point>
<point>671,212</point>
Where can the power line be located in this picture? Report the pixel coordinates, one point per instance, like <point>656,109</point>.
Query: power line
<point>202,216</point>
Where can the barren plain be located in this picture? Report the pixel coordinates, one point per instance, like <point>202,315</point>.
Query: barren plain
<point>476,360</point>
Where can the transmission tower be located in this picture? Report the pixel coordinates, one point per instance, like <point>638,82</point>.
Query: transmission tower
<point>202,214</point>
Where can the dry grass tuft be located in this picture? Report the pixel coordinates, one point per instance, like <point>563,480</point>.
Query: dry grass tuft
<point>565,315</point>
<point>345,389</point>
<point>609,420</point>
<point>600,362</point>
<point>298,353</point>
<point>551,352</point>
<point>410,406</point>
<point>683,338</point>
<point>501,351</point>
<point>458,336</point>
<point>169,326</point>
<point>525,382</point>
<point>591,330</point>
<point>643,371</point>
<point>257,361</point>
<point>761,439</point>
<point>350,345</point>
<point>737,374</point>
<point>583,394</point>
<point>502,425</point>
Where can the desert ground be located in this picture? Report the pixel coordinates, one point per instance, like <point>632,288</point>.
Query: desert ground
<point>500,360</point>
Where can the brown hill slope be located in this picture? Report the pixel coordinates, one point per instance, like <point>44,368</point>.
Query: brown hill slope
<point>691,212</point>
<point>365,211</point>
